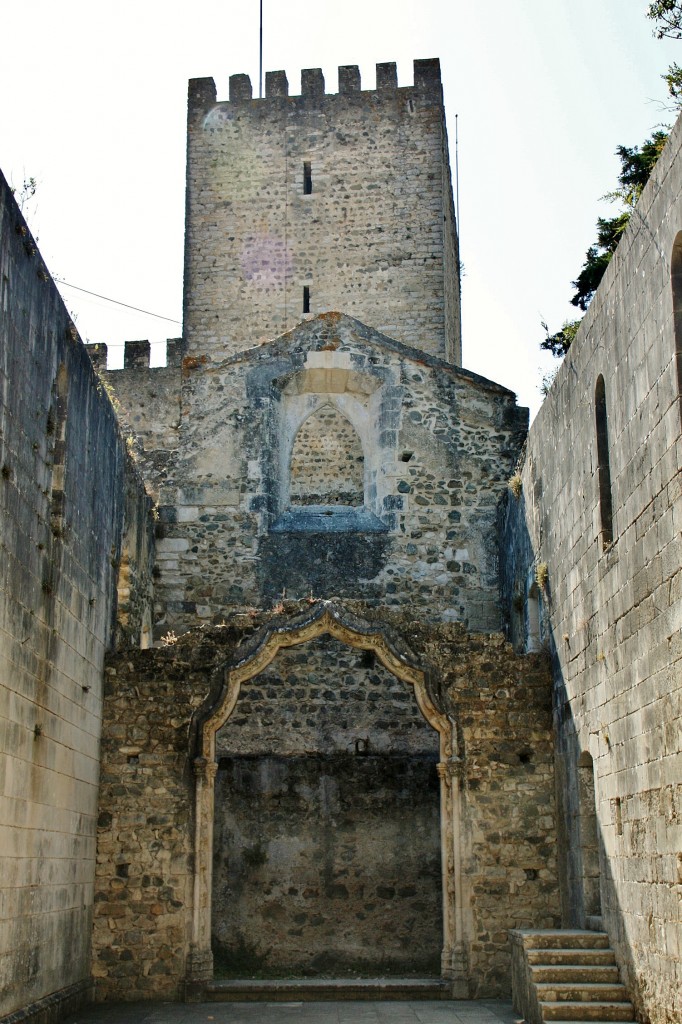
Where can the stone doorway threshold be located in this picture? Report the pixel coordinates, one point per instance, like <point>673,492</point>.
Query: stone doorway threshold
<point>324,989</point>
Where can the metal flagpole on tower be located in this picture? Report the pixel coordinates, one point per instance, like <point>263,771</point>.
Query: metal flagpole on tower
<point>260,55</point>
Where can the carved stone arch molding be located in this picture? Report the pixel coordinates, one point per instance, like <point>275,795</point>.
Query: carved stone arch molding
<point>328,618</point>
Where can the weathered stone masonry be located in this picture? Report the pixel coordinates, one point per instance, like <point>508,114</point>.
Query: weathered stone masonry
<point>331,461</point>
<point>342,764</point>
<point>71,507</point>
<point>144,893</point>
<point>438,445</point>
<point>375,235</point>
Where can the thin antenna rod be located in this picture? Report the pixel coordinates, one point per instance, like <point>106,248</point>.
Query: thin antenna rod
<point>459,232</point>
<point>260,55</point>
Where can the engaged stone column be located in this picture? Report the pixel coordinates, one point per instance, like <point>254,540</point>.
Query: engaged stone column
<point>200,959</point>
<point>454,960</point>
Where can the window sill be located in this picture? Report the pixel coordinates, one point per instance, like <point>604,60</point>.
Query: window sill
<point>328,519</point>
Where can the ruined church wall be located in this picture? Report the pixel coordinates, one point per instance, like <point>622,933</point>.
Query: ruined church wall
<point>439,445</point>
<point>346,194</point>
<point>68,497</point>
<point>327,833</point>
<point>145,837</point>
<point>613,605</point>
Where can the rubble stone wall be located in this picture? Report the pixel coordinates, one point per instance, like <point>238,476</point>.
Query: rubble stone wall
<point>438,446</point>
<point>144,896</point>
<point>327,835</point>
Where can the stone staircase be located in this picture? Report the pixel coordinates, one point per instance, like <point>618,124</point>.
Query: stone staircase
<point>567,977</point>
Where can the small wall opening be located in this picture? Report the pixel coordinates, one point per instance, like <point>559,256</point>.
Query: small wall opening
<point>327,461</point>
<point>603,464</point>
<point>533,629</point>
<point>589,837</point>
<point>56,426</point>
<point>307,178</point>
<point>123,583</point>
<point>306,298</point>
<point>676,281</point>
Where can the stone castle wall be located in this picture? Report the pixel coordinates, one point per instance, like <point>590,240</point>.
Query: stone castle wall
<point>147,405</point>
<point>438,446</point>
<point>143,904</point>
<point>601,508</point>
<point>71,504</point>
<point>345,195</point>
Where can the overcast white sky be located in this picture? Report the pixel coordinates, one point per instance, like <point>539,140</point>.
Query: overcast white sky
<point>93,106</point>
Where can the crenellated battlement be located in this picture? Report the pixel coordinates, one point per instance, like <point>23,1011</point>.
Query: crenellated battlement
<point>136,356</point>
<point>202,91</point>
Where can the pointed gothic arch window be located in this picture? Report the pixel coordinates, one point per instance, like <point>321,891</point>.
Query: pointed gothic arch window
<point>327,461</point>
<point>603,464</point>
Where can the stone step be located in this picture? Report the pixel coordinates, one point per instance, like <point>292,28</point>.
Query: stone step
<point>589,957</point>
<point>274,990</point>
<point>554,992</point>
<point>594,1013</point>
<point>565,938</point>
<point>575,974</point>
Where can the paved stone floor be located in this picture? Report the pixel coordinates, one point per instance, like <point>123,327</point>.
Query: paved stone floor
<point>432,1012</point>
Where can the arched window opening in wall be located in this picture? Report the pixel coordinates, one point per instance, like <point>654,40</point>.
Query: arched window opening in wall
<point>589,838</point>
<point>329,804</point>
<point>340,733</point>
<point>327,462</point>
<point>603,464</point>
<point>533,632</point>
<point>676,281</point>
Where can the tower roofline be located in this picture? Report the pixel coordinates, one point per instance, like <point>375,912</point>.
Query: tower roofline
<point>202,91</point>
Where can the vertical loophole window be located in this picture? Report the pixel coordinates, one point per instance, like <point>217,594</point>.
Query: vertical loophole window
<point>589,837</point>
<point>533,637</point>
<point>56,424</point>
<point>306,298</point>
<point>307,178</point>
<point>676,281</point>
<point>603,464</point>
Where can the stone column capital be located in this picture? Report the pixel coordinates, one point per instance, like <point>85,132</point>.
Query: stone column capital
<point>204,769</point>
<point>453,768</point>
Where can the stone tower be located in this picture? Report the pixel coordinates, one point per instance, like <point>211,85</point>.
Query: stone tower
<point>298,205</point>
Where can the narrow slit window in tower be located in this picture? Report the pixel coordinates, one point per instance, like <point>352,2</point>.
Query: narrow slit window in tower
<point>306,298</point>
<point>307,178</point>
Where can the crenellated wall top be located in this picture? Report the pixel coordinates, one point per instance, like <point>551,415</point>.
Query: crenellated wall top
<point>202,91</point>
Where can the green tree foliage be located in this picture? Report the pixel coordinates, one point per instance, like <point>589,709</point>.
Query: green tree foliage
<point>667,15</point>
<point>636,165</point>
<point>558,344</point>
